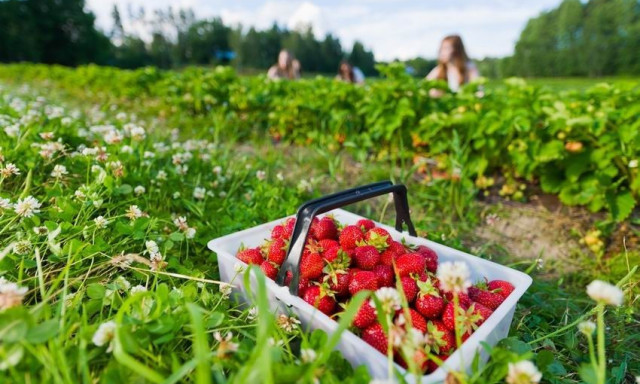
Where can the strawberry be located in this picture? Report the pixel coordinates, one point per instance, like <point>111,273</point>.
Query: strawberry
<point>320,298</point>
<point>324,228</point>
<point>394,250</point>
<point>447,315</point>
<point>366,257</point>
<point>489,299</point>
<point>482,311</point>
<point>365,224</point>
<point>303,283</point>
<point>431,257</point>
<point>338,281</point>
<point>269,269</point>
<point>441,339</point>
<point>463,298</point>
<point>350,236</point>
<point>409,287</point>
<point>311,265</point>
<point>330,254</point>
<point>417,321</point>
<point>374,335</point>
<point>504,288</point>
<point>277,232</point>
<point>289,225</point>
<point>410,263</point>
<point>327,244</point>
<point>432,365</point>
<point>384,274</point>
<point>362,280</point>
<point>429,302</point>
<point>366,315</point>
<point>277,250</point>
<point>378,237</point>
<point>467,320</point>
<point>251,256</point>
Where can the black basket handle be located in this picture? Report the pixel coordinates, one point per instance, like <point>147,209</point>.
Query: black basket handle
<point>312,208</point>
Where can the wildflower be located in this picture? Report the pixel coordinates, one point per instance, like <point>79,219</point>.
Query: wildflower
<point>122,284</point>
<point>89,151</point>
<point>46,135</point>
<point>105,334</point>
<point>633,163</point>
<point>239,268</point>
<point>79,195</point>
<point>137,133</point>
<point>5,204</point>
<point>138,288</point>
<point>181,223</point>
<point>133,212</point>
<point>252,314</point>
<point>22,247</point>
<point>307,355</point>
<point>605,293</point>
<point>587,327</point>
<point>148,155</point>
<point>491,219</point>
<point>176,195</point>
<point>182,169</point>
<point>261,175</point>
<point>152,246</point>
<point>9,169</point>
<point>11,294</point>
<point>59,170</point>
<point>162,175</point>
<point>523,372</point>
<point>12,130</point>
<point>288,324</point>
<point>225,290</point>
<point>217,169</point>
<point>454,277</point>
<point>272,342</point>
<point>40,230</point>
<point>225,345</point>
<point>280,176</point>
<point>139,190</point>
<point>68,299</point>
<point>389,299</point>
<point>126,149</point>
<point>199,193</point>
<point>100,222</point>
<point>190,233</point>
<point>113,137</point>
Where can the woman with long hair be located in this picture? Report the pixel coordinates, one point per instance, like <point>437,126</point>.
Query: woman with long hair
<point>454,65</point>
<point>287,67</point>
<point>350,74</point>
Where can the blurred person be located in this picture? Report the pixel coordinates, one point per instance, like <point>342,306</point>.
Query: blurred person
<point>454,66</point>
<point>285,68</point>
<point>349,73</point>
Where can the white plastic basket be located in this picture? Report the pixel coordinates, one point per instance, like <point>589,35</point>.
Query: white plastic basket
<point>353,348</point>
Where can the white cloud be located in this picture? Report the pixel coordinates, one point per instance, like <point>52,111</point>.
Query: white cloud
<point>399,29</point>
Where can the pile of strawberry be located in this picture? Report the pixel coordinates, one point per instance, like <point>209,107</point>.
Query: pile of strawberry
<point>339,261</point>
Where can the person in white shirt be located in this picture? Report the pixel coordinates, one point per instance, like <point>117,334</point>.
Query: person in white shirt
<point>454,66</point>
<point>287,67</point>
<point>349,73</point>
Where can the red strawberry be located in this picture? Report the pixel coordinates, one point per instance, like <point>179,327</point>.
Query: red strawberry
<point>289,225</point>
<point>319,298</point>
<point>277,251</point>
<point>417,321</point>
<point>375,336</point>
<point>410,263</point>
<point>366,257</point>
<point>311,265</point>
<point>270,270</point>
<point>394,250</point>
<point>350,237</point>
<point>384,274</point>
<point>429,302</point>
<point>251,256</point>
<point>366,315</point>
<point>378,237</point>
<point>327,244</point>
<point>432,365</point>
<point>303,283</point>
<point>409,287</point>
<point>441,339</point>
<point>467,320</point>
<point>365,224</point>
<point>362,280</point>
<point>447,315</point>
<point>504,288</point>
<point>463,298</point>
<point>324,228</point>
<point>277,232</point>
<point>330,254</point>
<point>338,281</point>
<point>488,299</point>
<point>482,311</point>
<point>431,257</point>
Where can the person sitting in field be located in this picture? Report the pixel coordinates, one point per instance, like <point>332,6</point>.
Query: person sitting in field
<point>285,68</point>
<point>349,73</point>
<point>454,66</point>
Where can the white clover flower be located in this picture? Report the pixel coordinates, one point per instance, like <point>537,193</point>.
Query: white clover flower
<point>22,247</point>
<point>5,204</point>
<point>225,345</point>
<point>68,299</point>
<point>100,222</point>
<point>9,170</point>
<point>523,372</point>
<point>633,163</point>
<point>27,207</point>
<point>454,277</point>
<point>181,223</point>
<point>133,212</point>
<point>122,284</point>
<point>137,133</point>
<point>280,176</point>
<point>190,233</point>
<point>46,135</point>
<point>217,169</point>
<point>606,293</point>
<point>90,151</point>
<point>148,155</point>
<point>105,334</point>
<point>389,299</point>
<point>152,246</point>
<point>307,355</point>
<point>261,175</point>
<point>199,193</point>
<point>78,194</point>
<point>383,381</point>
<point>225,290</point>
<point>587,327</point>
<point>59,170</point>
<point>138,288</point>
<point>11,294</point>
<point>176,195</point>
<point>126,149</point>
<point>287,323</point>
<point>12,130</point>
<point>252,314</point>
<point>162,175</point>
<point>40,230</point>
<point>182,169</point>
<point>272,342</point>
<point>113,137</point>
<point>139,190</point>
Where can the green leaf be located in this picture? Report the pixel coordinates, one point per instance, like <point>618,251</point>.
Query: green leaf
<point>551,151</point>
<point>515,345</point>
<point>588,374</point>
<point>124,189</point>
<point>43,332</point>
<point>544,359</point>
<point>621,205</point>
<point>176,236</point>
<point>96,291</point>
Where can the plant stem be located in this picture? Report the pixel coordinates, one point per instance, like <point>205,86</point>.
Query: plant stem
<point>602,359</point>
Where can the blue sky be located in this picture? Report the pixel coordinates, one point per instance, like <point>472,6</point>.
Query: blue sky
<point>393,29</point>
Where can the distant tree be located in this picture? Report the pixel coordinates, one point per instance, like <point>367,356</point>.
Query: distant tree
<point>362,59</point>
<point>204,39</point>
